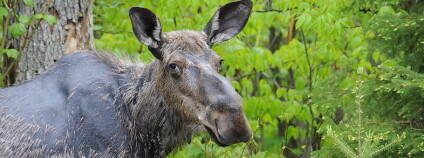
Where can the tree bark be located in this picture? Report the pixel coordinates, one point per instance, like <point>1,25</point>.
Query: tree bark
<point>73,31</point>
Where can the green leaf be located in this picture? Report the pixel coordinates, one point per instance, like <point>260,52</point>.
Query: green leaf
<point>360,70</point>
<point>50,19</point>
<point>293,132</point>
<point>386,10</point>
<point>300,21</point>
<point>281,92</point>
<point>97,27</point>
<point>13,53</point>
<point>37,16</point>
<point>25,19</point>
<point>29,3</point>
<point>3,11</point>
<point>17,29</point>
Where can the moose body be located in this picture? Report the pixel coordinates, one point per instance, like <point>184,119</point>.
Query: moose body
<point>92,103</point>
<point>76,99</point>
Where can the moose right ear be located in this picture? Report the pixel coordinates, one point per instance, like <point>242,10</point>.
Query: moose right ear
<point>228,21</point>
<point>146,27</point>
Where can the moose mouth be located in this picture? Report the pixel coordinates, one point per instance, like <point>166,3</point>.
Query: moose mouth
<point>215,136</point>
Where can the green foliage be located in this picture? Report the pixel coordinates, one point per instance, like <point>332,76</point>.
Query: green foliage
<point>17,26</point>
<point>17,29</point>
<point>399,33</point>
<point>399,92</point>
<point>29,3</point>
<point>25,19</point>
<point>294,89</point>
<point>50,19</point>
<point>38,16</point>
<point>3,12</point>
<point>13,53</point>
<point>369,148</point>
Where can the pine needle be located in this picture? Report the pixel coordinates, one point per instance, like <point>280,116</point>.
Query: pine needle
<point>340,144</point>
<point>385,147</point>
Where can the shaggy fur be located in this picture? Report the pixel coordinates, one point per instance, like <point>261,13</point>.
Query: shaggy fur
<point>153,128</point>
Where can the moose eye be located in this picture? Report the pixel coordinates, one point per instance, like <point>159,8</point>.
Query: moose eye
<point>173,66</point>
<point>175,70</point>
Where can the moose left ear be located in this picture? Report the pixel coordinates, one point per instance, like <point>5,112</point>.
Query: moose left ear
<point>228,21</point>
<point>147,29</point>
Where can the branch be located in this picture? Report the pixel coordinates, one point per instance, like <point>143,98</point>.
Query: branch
<point>113,32</point>
<point>5,5</point>
<point>6,25</point>
<point>254,133</point>
<point>366,10</point>
<point>269,10</point>
<point>395,122</point>
<point>308,60</point>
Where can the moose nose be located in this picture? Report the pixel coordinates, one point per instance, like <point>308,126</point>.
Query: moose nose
<point>233,128</point>
<point>231,125</point>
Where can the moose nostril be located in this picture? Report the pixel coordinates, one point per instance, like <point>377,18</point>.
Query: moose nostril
<point>233,128</point>
<point>247,136</point>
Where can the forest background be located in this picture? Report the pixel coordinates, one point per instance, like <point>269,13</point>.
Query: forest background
<point>319,78</point>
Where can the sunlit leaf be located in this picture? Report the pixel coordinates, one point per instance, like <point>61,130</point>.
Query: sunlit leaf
<point>38,16</point>
<point>3,11</point>
<point>29,3</point>
<point>25,19</point>
<point>50,19</point>
<point>12,53</point>
<point>17,29</point>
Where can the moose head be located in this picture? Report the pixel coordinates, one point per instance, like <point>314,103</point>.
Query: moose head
<point>189,69</point>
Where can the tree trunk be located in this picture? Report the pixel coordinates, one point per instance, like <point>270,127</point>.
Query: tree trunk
<point>73,31</point>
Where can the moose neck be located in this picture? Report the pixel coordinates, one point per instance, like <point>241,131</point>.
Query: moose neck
<point>155,127</point>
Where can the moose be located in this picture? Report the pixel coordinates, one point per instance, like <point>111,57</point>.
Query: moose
<point>92,103</point>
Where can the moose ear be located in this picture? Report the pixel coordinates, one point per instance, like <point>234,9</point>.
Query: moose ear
<point>146,26</point>
<point>228,21</point>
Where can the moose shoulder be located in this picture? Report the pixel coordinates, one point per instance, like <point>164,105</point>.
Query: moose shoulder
<point>93,102</point>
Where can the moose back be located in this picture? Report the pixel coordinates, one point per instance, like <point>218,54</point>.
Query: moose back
<point>94,104</point>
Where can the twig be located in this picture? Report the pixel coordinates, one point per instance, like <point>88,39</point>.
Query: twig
<point>365,10</point>
<point>359,102</point>
<point>255,72</point>
<point>254,133</point>
<point>28,34</point>
<point>339,92</point>
<point>308,60</point>
<point>5,4</point>
<point>116,32</point>
<point>245,75</point>
<point>6,24</point>
<point>285,147</point>
<point>395,122</point>
<point>269,10</point>
<point>309,86</point>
